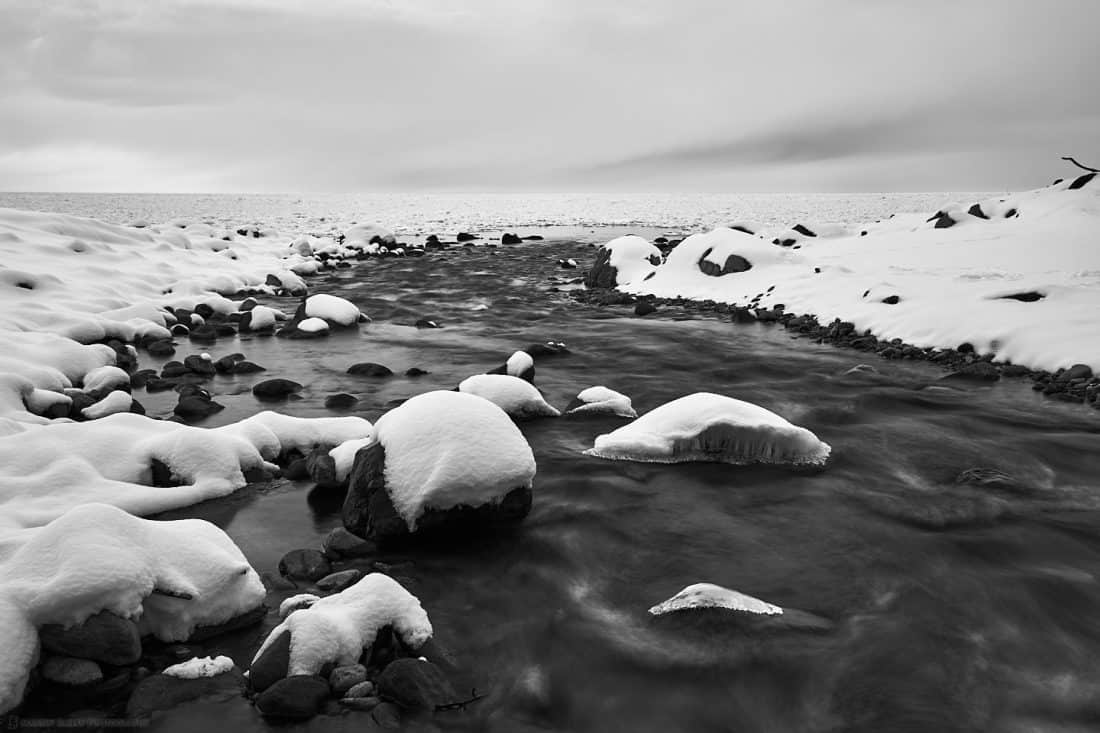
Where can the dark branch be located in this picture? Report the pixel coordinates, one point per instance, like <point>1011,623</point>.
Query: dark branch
<point>1083,167</point>
<point>461,705</point>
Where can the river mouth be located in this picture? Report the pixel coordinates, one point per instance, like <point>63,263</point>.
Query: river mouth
<point>949,606</point>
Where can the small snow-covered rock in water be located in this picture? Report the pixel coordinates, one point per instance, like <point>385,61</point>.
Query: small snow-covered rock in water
<point>116,402</point>
<point>708,595</point>
<point>513,395</point>
<point>710,427</point>
<point>362,235</point>
<point>337,629</point>
<point>200,667</point>
<point>601,400</point>
<point>441,460</point>
<point>332,309</point>
<point>519,364</point>
<point>313,325</point>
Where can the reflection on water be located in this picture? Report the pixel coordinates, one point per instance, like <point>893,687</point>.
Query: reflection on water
<point>953,606</point>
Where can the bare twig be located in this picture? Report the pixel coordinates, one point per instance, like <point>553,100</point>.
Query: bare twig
<point>1084,167</point>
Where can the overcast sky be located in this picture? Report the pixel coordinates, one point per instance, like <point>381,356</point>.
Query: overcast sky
<point>549,95</point>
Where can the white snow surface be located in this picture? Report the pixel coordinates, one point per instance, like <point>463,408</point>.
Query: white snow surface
<point>115,402</point>
<point>711,427</point>
<point>600,399</point>
<point>951,282</point>
<point>708,595</point>
<point>197,667</point>
<point>313,325</point>
<point>97,557</point>
<point>343,455</point>
<point>518,397</point>
<point>632,257</point>
<point>518,363</point>
<point>339,627</point>
<point>332,308</point>
<point>445,449</point>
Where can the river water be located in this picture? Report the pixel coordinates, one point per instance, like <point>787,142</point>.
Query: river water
<point>945,606</point>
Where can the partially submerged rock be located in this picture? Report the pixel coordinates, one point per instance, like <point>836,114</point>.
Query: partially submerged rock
<point>711,427</point>
<point>515,396</point>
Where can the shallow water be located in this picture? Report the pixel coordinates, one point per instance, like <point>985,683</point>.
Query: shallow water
<point>951,607</point>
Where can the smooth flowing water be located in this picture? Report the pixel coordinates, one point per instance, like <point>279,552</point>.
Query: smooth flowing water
<point>949,606</point>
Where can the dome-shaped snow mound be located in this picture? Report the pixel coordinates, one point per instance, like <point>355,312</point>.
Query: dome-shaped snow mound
<point>622,261</point>
<point>708,595</point>
<point>711,427</point>
<point>602,401</point>
<point>339,628</point>
<point>515,396</point>
<point>448,454</point>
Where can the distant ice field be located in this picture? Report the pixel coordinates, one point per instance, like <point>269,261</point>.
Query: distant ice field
<point>421,214</point>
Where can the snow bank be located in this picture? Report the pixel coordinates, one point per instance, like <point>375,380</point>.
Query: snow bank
<point>171,577</point>
<point>339,627</point>
<point>711,427</point>
<point>445,449</point>
<point>601,400</point>
<point>932,282</point>
<point>46,470</point>
<point>708,595</point>
<point>515,396</point>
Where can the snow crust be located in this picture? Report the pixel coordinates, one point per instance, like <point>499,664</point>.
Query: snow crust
<point>633,258</point>
<point>343,455</point>
<point>951,282</point>
<point>115,402</point>
<point>518,363</point>
<point>445,449</point>
<point>600,399</point>
<point>339,627</point>
<point>313,325</point>
<point>517,397</point>
<point>710,427</point>
<point>708,595</point>
<point>197,667</point>
<point>169,576</point>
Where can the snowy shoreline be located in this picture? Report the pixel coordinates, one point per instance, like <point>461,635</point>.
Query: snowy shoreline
<point>1009,281</point>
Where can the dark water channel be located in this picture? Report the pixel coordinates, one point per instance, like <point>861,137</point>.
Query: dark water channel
<point>952,606</point>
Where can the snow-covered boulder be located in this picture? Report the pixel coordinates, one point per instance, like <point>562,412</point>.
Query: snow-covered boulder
<point>173,577</point>
<point>519,364</point>
<point>721,252</point>
<point>440,461</point>
<point>708,595</point>
<point>710,427</point>
<point>601,401</point>
<point>338,629</point>
<point>621,261</point>
<point>515,396</point>
<point>361,236</point>
<point>337,311</point>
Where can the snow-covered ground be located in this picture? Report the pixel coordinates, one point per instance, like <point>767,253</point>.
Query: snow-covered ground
<point>1017,276</point>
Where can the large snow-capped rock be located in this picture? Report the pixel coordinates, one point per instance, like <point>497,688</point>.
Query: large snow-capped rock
<point>338,629</point>
<point>622,261</point>
<point>711,427</point>
<point>361,236</point>
<point>441,460</point>
<point>515,396</point>
<point>171,577</point>
<point>333,309</point>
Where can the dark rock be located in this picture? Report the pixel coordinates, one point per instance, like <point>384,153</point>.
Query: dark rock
<point>199,365</point>
<point>225,364</point>
<point>979,371</point>
<point>415,372</point>
<point>322,469</point>
<point>413,684</point>
<point>362,703</point>
<point>466,237</point>
<point>976,210</point>
<point>247,367</point>
<point>1081,181</point>
<point>425,323</point>
<point>1077,371</point>
<point>943,220</point>
<point>103,637</point>
<point>644,308</point>
<point>80,400</point>
<point>160,692</point>
<point>803,230</point>
<point>204,310</point>
<point>336,582</point>
<point>162,347</point>
<point>306,564</point>
<point>533,238</point>
<point>238,622</point>
<point>387,716</point>
<point>734,263</point>
<point>510,239</point>
<point>369,369</point>
<point>298,697</point>
<point>273,389</point>
<point>1014,370</point>
<point>1029,296</point>
<point>271,666</point>
<point>340,544</point>
<point>965,348</point>
<point>343,679</point>
<point>179,329</point>
<point>196,407</point>
<point>742,228</point>
<point>341,401</point>
<point>891,300</point>
<point>369,513</point>
<point>742,315</point>
<point>247,304</point>
<point>602,273</point>
<point>548,348</point>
